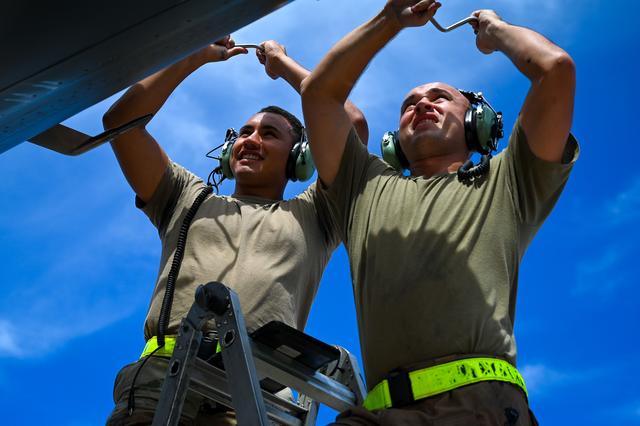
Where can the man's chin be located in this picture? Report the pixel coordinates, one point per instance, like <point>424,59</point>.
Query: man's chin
<point>426,125</point>
<point>247,171</point>
<point>426,135</point>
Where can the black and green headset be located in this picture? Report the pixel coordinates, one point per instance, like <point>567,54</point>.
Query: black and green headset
<point>482,129</point>
<point>300,164</point>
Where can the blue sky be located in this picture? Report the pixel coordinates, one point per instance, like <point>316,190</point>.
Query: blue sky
<point>79,261</point>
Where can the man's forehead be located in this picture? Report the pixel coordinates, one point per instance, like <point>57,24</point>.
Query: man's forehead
<point>268,119</point>
<point>432,87</point>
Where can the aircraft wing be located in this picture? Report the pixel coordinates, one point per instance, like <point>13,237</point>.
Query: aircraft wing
<point>61,57</point>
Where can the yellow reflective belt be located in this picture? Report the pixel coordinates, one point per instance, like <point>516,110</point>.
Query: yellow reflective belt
<point>166,350</point>
<point>445,377</point>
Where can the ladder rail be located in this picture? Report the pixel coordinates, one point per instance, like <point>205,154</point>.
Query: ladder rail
<point>246,362</point>
<point>314,384</point>
<point>211,382</point>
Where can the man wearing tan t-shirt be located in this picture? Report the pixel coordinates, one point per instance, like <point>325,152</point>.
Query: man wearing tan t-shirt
<point>271,251</point>
<point>434,256</point>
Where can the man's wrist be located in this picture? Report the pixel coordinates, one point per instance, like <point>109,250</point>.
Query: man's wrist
<point>389,20</point>
<point>499,31</point>
<point>197,59</point>
<point>279,65</point>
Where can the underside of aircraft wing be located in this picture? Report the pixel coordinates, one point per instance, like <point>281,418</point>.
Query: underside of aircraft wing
<point>61,57</point>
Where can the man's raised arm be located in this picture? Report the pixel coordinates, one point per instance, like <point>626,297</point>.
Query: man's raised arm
<point>141,159</point>
<point>548,109</point>
<point>278,64</point>
<point>327,88</point>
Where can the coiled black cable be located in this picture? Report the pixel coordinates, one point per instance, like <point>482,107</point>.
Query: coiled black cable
<point>469,171</point>
<point>167,300</point>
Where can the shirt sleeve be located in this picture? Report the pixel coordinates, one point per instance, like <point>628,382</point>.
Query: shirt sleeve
<point>326,220</point>
<point>358,169</point>
<point>176,187</point>
<point>536,184</point>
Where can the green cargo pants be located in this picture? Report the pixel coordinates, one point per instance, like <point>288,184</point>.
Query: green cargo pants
<point>196,410</point>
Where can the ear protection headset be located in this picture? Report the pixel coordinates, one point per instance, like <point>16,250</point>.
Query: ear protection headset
<point>482,129</point>
<point>300,164</point>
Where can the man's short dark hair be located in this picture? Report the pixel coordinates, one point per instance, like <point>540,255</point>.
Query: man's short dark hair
<point>296,125</point>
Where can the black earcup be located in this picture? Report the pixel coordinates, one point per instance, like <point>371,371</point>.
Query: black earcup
<point>482,129</point>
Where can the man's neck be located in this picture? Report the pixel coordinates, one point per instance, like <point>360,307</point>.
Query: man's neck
<point>269,193</point>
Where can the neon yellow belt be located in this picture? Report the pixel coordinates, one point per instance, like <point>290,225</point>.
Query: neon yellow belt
<point>167,349</point>
<point>403,388</point>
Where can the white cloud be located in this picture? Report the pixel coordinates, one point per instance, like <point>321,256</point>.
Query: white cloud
<point>623,414</point>
<point>601,275</point>
<point>84,282</point>
<point>8,345</point>
<point>611,267</point>
<point>543,379</point>
<point>539,377</point>
<point>624,208</point>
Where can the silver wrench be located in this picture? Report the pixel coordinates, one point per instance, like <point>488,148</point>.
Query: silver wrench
<point>454,26</point>
<point>250,46</point>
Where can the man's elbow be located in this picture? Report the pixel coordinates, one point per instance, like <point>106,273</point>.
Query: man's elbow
<point>130,106</point>
<point>311,93</point>
<point>120,113</point>
<point>561,68</point>
<point>307,87</point>
<point>318,87</point>
<point>111,118</point>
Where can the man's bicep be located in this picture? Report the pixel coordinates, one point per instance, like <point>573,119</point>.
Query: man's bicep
<point>142,161</point>
<point>328,126</point>
<point>547,112</point>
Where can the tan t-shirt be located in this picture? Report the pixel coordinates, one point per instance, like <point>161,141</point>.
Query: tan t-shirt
<point>272,253</point>
<point>434,262</point>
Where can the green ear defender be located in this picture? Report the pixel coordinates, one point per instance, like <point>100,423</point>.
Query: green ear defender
<point>482,124</point>
<point>225,153</point>
<point>482,129</point>
<point>299,166</point>
<point>392,153</point>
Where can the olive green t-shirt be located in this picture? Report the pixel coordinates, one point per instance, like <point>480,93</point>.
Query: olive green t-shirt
<point>434,261</point>
<point>271,252</point>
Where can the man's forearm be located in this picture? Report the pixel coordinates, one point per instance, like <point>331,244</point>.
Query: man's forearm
<point>338,72</point>
<point>530,52</point>
<point>293,72</point>
<point>547,111</point>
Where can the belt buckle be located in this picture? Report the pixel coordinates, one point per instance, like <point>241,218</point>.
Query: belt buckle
<point>400,388</point>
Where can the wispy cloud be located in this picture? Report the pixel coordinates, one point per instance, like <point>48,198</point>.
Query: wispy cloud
<point>542,379</point>
<point>86,284</point>
<point>624,208</point>
<point>599,275</point>
<point>611,266</point>
<point>8,343</point>
<point>626,413</point>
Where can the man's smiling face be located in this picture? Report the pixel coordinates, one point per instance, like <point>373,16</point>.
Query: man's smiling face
<point>261,151</point>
